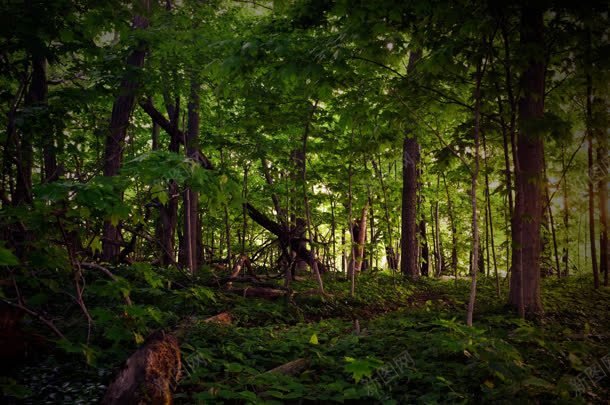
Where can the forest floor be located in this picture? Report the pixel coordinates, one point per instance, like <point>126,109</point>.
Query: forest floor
<point>412,346</point>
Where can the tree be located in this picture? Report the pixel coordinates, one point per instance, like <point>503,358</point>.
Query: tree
<point>119,122</point>
<point>409,265</point>
<point>527,217</point>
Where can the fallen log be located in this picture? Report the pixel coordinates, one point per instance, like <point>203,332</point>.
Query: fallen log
<point>149,375</point>
<point>291,368</point>
<point>223,318</point>
<point>259,292</point>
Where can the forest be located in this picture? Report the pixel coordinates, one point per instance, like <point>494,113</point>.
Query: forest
<point>304,201</point>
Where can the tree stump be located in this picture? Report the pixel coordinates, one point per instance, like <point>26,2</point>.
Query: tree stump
<point>149,375</point>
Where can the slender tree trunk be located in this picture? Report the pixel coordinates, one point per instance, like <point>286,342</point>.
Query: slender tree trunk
<point>119,121</point>
<point>49,151</point>
<point>425,251</point>
<point>487,252</point>
<point>452,225</point>
<point>371,252</point>
<point>438,244</point>
<point>566,217</point>
<point>525,280</point>
<point>343,254</point>
<point>473,198</point>
<point>351,267</point>
<point>228,235</point>
<point>314,261</point>
<point>36,96</point>
<point>168,212</point>
<point>552,220</point>
<point>333,230</point>
<point>244,228</point>
<point>389,243</point>
<point>591,174</point>
<point>360,240</point>
<point>602,190</point>
<point>489,213</point>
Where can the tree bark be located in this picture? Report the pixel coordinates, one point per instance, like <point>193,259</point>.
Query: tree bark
<point>150,374</point>
<point>409,266</point>
<point>425,251</point>
<point>591,172</point>
<point>452,225</point>
<point>389,243</point>
<point>36,96</point>
<point>525,280</point>
<point>473,197</point>
<point>191,197</point>
<point>359,235</point>
<point>408,243</point>
<point>602,187</point>
<point>168,212</point>
<point>119,121</point>
<point>551,219</point>
<point>490,220</point>
<point>566,217</point>
<point>438,245</point>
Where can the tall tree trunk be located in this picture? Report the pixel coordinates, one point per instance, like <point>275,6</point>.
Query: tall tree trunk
<point>551,219</point>
<point>371,253</point>
<point>408,242</point>
<point>36,95</point>
<point>191,197</point>
<point>359,240</point>
<point>409,266</point>
<point>168,212</point>
<point>473,197</point>
<point>438,249</point>
<point>603,161</point>
<point>490,220</point>
<point>525,280</point>
<point>333,231</point>
<point>343,254</point>
<point>566,217</point>
<point>389,243</point>
<point>244,227</point>
<point>425,251</point>
<point>351,274</point>
<point>591,172</point>
<point>452,225</point>
<point>227,222</point>
<point>314,262</point>
<point>119,121</point>
<point>49,151</point>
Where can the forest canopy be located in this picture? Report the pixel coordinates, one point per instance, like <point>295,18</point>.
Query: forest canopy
<point>280,201</point>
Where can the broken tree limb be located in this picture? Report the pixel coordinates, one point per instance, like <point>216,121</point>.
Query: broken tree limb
<point>291,368</point>
<point>270,225</point>
<point>243,261</point>
<point>174,132</point>
<point>149,375</point>
<point>41,318</point>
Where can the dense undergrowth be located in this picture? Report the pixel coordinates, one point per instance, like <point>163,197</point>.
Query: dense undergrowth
<point>412,345</point>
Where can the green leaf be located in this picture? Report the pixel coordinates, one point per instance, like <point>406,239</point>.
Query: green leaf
<point>361,368</point>
<point>7,258</point>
